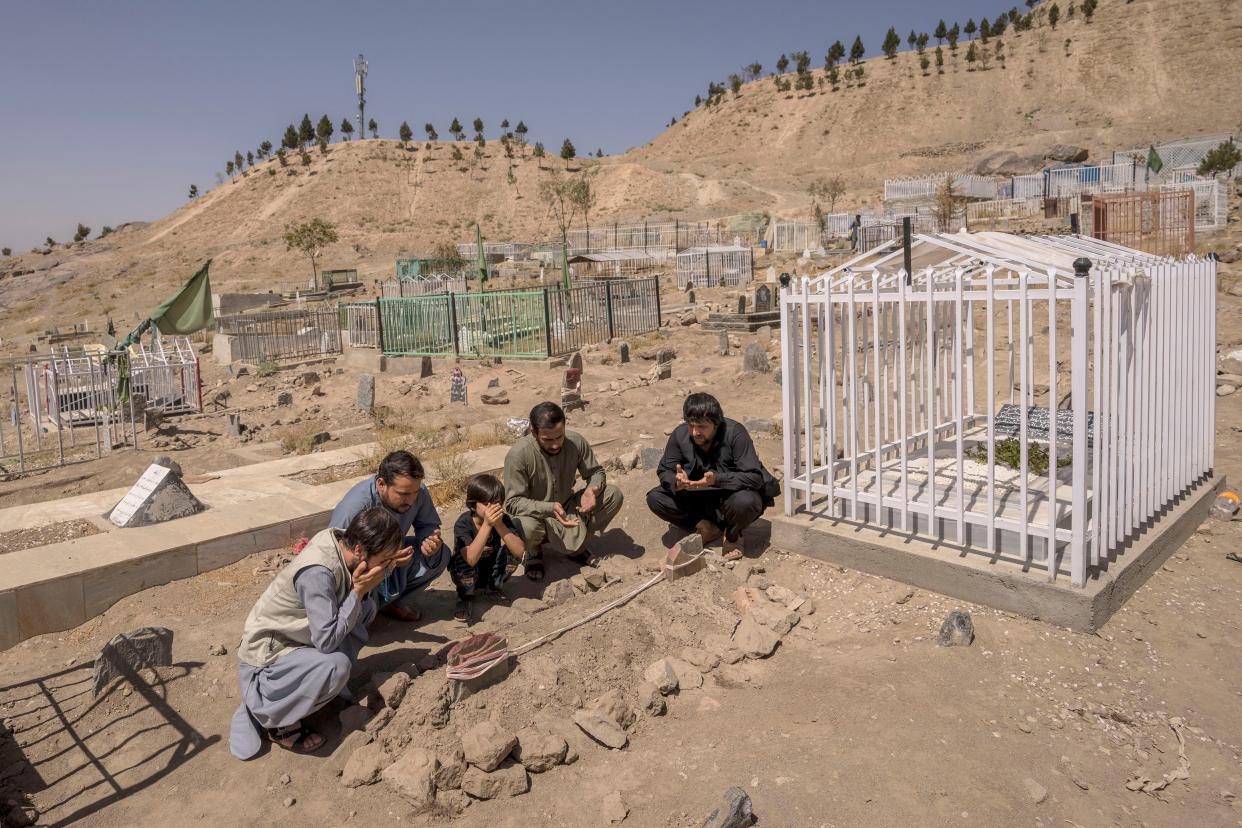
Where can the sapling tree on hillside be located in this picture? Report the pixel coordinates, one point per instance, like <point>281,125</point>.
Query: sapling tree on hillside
<point>478,126</point>
<point>290,139</point>
<point>1088,9</point>
<point>939,60</point>
<point>735,84</point>
<point>834,76</point>
<point>1054,15</point>
<point>585,195</point>
<point>310,239</point>
<point>782,64</point>
<point>106,231</point>
<point>238,162</point>
<point>1221,159</point>
<point>265,149</point>
<point>924,63</point>
<point>50,242</point>
<point>456,131</point>
<point>560,193</point>
<point>282,157</point>
<point>826,189</point>
<point>228,168</point>
<point>972,54</point>
<point>347,129</point>
<point>520,131</point>
<point>304,156</point>
<point>306,131</point>
<point>405,133</point>
<point>431,132</point>
<point>836,52</point>
<point>249,159</point>
<point>985,30</point>
<point>857,50</point>
<point>324,130</point>
<point>6,251</point>
<point>892,42</point>
<point>921,42</point>
<point>193,191</point>
<point>911,39</point>
<point>754,70</point>
<point>568,153</point>
<point>954,34</point>
<point>82,233</point>
<point>941,32</point>
<point>539,153</point>
<point>457,156</point>
<point>970,28</point>
<point>374,127</point>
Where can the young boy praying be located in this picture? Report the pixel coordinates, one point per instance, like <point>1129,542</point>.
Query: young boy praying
<point>486,545</point>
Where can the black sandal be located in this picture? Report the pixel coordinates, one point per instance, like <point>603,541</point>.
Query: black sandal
<point>294,737</point>
<point>461,612</point>
<point>534,570</point>
<point>582,557</point>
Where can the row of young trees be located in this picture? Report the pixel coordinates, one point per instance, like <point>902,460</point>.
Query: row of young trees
<point>917,41</point>
<point>81,234</point>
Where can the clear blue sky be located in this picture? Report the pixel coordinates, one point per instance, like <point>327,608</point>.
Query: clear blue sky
<point>112,109</point>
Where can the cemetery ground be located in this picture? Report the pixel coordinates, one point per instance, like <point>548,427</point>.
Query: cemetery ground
<point>858,717</point>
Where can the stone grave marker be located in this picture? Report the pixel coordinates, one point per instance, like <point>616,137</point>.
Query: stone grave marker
<point>1008,423</point>
<point>763,299</point>
<point>755,359</point>
<point>366,392</point>
<point>741,304</point>
<point>129,652</point>
<point>624,349</point>
<point>575,361</point>
<point>159,495</point>
<point>722,344</point>
<point>424,367</point>
<point>457,387</point>
<point>571,389</point>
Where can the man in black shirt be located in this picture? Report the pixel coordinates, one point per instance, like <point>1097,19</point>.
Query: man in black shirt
<point>711,480</point>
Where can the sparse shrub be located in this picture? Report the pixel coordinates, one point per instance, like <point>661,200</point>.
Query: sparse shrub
<point>266,368</point>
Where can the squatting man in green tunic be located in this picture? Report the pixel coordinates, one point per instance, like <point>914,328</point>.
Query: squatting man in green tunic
<point>302,638</point>
<point>540,472</point>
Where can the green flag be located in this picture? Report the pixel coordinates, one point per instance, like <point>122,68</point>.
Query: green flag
<point>478,243</point>
<point>1154,162</point>
<point>190,309</point>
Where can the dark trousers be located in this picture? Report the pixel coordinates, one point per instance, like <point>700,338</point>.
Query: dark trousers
<point>489,573</point>
<point>731,511</point>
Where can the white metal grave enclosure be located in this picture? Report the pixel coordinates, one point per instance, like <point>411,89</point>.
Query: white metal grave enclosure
<point>715,266</point>
<point>166,374</point>
<point>1037,400</point>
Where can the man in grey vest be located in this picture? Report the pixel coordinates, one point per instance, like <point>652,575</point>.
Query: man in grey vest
<point>303,635</point>
<point>397,486</point>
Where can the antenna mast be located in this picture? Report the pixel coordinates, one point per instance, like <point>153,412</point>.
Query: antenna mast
<point>360,86</point>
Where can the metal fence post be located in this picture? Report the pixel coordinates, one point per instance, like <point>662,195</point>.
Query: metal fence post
<point>379,326</point>
<point>655,281</point>
<point>452,309</point>
<point>547,322</point>
<point>1080,339</point>
<point>608,305</point>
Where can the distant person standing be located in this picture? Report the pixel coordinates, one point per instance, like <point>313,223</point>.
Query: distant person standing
<point>711,479</point>
<point>398,487</point>
<point>540,472</point>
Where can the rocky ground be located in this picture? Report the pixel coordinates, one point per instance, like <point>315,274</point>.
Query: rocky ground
<point>823,693</point>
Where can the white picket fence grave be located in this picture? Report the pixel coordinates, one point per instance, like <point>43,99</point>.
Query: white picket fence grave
<point>921,406</point>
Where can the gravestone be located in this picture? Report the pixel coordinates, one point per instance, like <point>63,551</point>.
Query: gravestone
<point>571,389</point>
<point>129,652</point>
<point>1008,423</point>
<point>690,295</point>
<point>664,356</point>
<point>159,495</point>
<point>763,299</point>
<point>661,371</point>
<point>234,427</point>
<point>741,304</point>
<point>755,359</point>
<point>424,368</point>
<point>722,345</point>
<point>457,387</point>
<point>575,361</point>
<point>366,392</point>
<point>624,349</point>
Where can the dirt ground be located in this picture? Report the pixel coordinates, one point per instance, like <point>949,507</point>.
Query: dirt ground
<point>859,717</point>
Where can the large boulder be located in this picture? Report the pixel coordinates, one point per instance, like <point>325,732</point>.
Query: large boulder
<point>1066,152</point>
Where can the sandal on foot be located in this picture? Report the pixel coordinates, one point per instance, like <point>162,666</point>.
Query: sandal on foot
<point>461,612</point>
<point>582,557</point>
<point>732,550</point>
<point>534,570</point>
<point>299,738</point>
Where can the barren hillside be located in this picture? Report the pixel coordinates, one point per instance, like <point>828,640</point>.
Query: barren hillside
<point>1141,71</point>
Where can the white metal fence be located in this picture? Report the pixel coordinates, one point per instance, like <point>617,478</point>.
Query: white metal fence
<point>1183,155</point>
<point>360,324</point>
<point>926,186</point>
<point>455,283</point>
<point>1068,181</point>
<point>715,266</point>
<point>1211,201</point>
<point>899,396</point>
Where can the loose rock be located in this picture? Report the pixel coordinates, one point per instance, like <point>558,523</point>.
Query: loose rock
<point>613,808</point>
<point>601,728</point>
<point>753,639</point>
<point>662,676</point>
<point>364,766</point>
<point>509,779</point>
<point>392,687</point>
<point>487,745</point>
<point>413,776</point>
<point>452,766</point>
<point>1036,791</point>
<point>539,751</point>
<point>613,705</point>
<point>735,812</point>
<point>957,630</point>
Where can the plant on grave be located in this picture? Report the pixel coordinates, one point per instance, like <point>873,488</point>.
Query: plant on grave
<point>266,368</point>
<point>1008,453</point>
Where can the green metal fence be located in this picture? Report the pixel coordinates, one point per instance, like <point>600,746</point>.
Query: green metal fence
<point>520,324</point>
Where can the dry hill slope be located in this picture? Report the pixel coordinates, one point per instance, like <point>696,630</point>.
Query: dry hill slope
<point>1142,71</point>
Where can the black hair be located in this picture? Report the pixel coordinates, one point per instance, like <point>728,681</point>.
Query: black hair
<point>399,464</point>
<point>376,530</point>
<point>546,415</point>
<point>701,406</point>
<point>484,488</point>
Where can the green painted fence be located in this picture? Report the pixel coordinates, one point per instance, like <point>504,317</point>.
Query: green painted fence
<point>519,324</point>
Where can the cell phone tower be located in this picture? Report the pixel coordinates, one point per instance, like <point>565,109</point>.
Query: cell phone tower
<point>360,85</point>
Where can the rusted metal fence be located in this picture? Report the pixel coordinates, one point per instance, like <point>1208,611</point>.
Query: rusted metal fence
<point>1162,223</point>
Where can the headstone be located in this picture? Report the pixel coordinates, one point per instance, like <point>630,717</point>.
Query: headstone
<point>755,359</point>
<point>690,295</point>
<point>771,273</point>
<point>571,389</point>
<point>665,356</point>
<point>129,652</point>
<point>741,304</point>
<point>366,392</point>
<point>661,371</point>
<point>234,427</point>
<point>722,346</point>
<point>575,361</point>
<point>624,349</point>
<point>764,334</point>
<point>159,495</point>
<point>1008,423</point>
<point>424,367</point>
<point>649,458</point>
<point>457,387</point>
<point>763,299</point>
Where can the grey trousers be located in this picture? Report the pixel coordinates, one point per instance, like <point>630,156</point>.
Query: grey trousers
<point>291,688</point>
<point>535,530</point>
